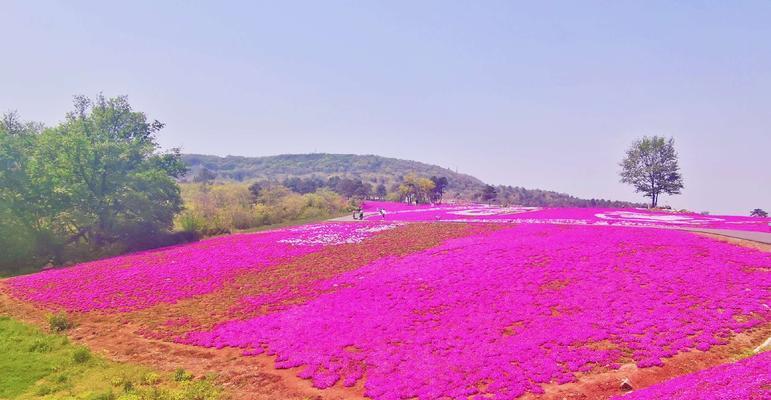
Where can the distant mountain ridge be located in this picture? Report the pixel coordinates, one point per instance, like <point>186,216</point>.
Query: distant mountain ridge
<point>374,170</point>
<point>368,168</point>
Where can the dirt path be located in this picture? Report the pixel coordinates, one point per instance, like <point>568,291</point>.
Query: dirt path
<point>242,377</point>
<point>349,218</point>
<point>754,236</point>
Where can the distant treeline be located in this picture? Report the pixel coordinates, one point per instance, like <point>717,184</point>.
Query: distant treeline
<point>511,195</point>
<point>369,169</point>
<point>408,189</point>
<point>219,208</point>
<point>214,207</point>
<point>303,172</point>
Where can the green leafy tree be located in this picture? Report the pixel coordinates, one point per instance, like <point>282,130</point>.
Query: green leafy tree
<point>24,204</point>
<point>415,189</point>
<point>118,184</point>
<point>440,184</point>
<point>758,213</point>
<point>205,176</point>
<point>651,166</point>
<point>96,179</point>
<point>489,193</point>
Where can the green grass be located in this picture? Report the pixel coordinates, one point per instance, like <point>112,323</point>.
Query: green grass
<point>36,365</point>
<point>291,223</point>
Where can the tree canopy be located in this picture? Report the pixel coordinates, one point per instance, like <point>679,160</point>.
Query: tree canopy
<point>488,194</point>
<point>651,166</point>
<point>417,190</point>
<point>96,180</point>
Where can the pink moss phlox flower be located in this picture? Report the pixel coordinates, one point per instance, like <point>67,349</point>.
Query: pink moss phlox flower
<point>515,309</point>
<point>748,379</point>
<point>573,216</point>
<point>143,279</point>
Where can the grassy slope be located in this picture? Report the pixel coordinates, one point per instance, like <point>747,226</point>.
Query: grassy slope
<point>35,364</point>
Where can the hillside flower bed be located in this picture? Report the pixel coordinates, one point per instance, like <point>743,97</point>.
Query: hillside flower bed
<point>140,280</point>
<point>748,379</point>
<point>502,313</point>
<point>570,216</point>
<point>295,281</point>
<point>436,310</point>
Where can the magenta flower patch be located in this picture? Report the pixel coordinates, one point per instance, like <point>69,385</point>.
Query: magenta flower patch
<point>143,279</point>
<point>571,216</point>
<point>502,313</point>
<point>748,379</point>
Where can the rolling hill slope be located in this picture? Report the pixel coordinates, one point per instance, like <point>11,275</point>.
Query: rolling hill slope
<point>375,170</point>
<point>368,168</point>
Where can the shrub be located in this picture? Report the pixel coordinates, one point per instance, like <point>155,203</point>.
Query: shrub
<point>81,355</point>
<point>151,378</point>
<point>43,390</point>
<point>60,322</point>
<point>189,221</point>
<point>103,396</point>
<point>200,390</point>
<point>128,386</point>
<point>180,375</point>
<point>40,346</point>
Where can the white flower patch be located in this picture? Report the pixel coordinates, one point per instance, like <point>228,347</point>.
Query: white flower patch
<point>332,234</point>
<point>377,228</point>
<point>427,209</point>
<point>631,216</point>
<point>492,210</point>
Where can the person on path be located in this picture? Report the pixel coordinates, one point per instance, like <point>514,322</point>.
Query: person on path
<point>382,212</point>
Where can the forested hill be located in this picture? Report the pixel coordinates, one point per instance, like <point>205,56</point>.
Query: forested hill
<point>374,170</point>
<point>368,168</point>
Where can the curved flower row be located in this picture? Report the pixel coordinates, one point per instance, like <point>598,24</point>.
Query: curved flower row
<point>143,279</point>
<point>502,313</point>
<point>748,379</point>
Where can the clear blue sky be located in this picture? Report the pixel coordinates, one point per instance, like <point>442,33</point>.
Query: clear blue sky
<point>522,93</point>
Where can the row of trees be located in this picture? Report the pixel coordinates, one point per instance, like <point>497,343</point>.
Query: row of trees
<point>219,208</point>
<point>420,190</point>
<point>89,186</point>
<point>411,189</point>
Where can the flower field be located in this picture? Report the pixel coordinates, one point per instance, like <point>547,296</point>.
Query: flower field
<point>144,279</point>
<point>406,308</point>
<point>570,216</point>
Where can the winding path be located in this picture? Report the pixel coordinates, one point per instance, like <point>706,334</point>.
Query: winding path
<point>755,236</point>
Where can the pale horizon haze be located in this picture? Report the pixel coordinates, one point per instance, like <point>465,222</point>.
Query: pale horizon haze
<point>541,95</point>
